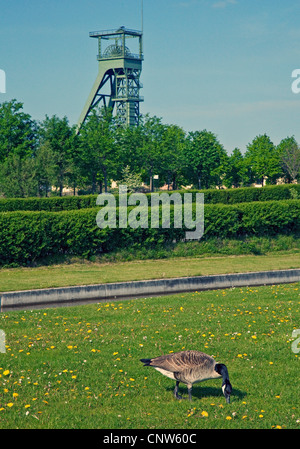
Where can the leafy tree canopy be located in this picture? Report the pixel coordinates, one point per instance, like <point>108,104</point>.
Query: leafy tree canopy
<point>18,131</point>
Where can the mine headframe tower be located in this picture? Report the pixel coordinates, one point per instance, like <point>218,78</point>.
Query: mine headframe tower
<point>117,85</point>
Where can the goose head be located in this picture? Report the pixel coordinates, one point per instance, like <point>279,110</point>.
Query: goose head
<point>227,389</point>
<point>221,369</point>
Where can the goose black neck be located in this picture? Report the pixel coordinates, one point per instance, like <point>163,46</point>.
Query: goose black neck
<point>221,369</point>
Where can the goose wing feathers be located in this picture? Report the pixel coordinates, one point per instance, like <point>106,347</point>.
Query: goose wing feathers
<point>181,361</point>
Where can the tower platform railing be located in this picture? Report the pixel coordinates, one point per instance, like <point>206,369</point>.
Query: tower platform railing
<point>127,56</point>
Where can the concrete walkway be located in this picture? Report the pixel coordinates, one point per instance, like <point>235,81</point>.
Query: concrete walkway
<point>68,296</point>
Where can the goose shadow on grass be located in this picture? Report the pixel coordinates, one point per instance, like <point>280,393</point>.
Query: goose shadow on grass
<point>205,392</point>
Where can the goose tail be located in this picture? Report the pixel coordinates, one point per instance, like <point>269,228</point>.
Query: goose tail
<point>146,362</point>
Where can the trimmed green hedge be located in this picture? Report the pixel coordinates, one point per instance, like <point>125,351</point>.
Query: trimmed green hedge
<point>250,194</point>
<point>30,236</point>
<point>52,204</point>
<point>211,196</point>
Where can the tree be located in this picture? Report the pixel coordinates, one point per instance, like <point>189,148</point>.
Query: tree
<point>205,159</point>
<point>236,170</point>
<point>289,153</point>
<point>18,138</point>
<point>263,159</point>
<point>99,153</point>
<point>17,177</point>
<point>44,168</point>
<point>59,137</point>
<point>129,141</point>
<point>132,180</point>
<point>172,153</point>
<point>152,131</point>
<point>18,132</point>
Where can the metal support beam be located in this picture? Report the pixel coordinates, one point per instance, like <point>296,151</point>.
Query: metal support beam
<point>119,73</point>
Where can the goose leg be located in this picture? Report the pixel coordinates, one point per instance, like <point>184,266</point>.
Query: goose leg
<point>177,396</point>
<point>190,393</point>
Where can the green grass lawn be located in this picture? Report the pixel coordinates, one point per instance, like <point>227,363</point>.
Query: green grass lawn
<point>78,367</point>
<point>94,273</point>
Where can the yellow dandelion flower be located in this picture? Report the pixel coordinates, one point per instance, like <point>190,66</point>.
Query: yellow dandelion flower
<point>228,417</point>
<point>204,413</point>
<point>10,404</point>
<point>27,405</point>
<point>15,395</point>
<point>6,372</point>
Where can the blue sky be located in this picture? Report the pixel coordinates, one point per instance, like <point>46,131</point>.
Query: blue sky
<point>221,65</point>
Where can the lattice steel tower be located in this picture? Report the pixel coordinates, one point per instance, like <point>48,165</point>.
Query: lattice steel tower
<point>117,85</point>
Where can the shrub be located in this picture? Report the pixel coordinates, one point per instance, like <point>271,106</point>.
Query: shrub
<point>53,204</point>
<point>211,196</point>
<point>27,236</point>
<point>270,218</point>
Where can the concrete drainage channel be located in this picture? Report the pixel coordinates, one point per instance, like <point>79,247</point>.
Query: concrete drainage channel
<point>70,296</point>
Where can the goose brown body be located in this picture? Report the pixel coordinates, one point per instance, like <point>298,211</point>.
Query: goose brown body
<point>189,367</point>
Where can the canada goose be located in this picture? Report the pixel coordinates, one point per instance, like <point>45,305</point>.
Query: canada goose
<point>190,367</point>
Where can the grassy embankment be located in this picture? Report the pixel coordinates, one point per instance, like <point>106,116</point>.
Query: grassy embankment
<point>184,259</point>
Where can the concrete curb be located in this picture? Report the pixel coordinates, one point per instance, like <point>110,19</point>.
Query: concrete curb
<point>67,296</point>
